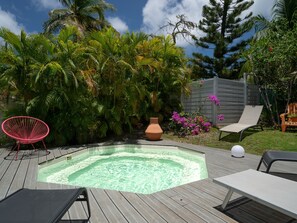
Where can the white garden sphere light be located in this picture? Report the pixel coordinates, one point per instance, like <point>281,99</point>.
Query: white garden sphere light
<point>237,151</point>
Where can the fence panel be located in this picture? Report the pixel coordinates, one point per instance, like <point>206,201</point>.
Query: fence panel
<point>233,96</point>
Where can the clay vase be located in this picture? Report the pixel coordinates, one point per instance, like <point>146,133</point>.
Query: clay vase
<point>154,131</point>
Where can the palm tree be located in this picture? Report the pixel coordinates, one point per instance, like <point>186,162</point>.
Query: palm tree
<point>86,15</point>
<point>15,60</point>
<point>285,9</point>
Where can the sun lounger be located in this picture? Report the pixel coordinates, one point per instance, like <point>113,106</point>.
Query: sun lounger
<point>249,118</point>
<point>40,206</point>
<point>274,192</point>
<point>269,157</point>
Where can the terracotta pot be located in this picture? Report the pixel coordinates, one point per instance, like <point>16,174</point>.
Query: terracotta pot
<point>154,131</point>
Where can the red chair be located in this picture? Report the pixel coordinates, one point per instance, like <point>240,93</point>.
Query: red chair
<point>25,130</point>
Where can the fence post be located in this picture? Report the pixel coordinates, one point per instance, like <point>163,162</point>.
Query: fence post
<point>245,90</point>
<point>213,106</point>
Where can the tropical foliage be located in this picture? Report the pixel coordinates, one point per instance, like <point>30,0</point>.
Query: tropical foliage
<point>86,15</point>
<point>184,124</point>
<point>272,61</point>
<point>283,10</point>
<point>87,88</point>
<point>224,26</point>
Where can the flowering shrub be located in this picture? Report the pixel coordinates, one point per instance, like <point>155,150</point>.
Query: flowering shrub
<point>220,117</point>
<point>192,124</point>
<point>188,124</point>
<point>214,99</point>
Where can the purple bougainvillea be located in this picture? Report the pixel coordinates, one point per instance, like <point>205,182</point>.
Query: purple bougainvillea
<point>220,117</point>
<point>214,99</point>
<point>193,124</point>
<point>188,125</point>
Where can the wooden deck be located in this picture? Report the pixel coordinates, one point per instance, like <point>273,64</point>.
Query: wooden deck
<point>195,202</point>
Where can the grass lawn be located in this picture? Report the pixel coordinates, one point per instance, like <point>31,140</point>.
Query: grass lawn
<point>254,141</point>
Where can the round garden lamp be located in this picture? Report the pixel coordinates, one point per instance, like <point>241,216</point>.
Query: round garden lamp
<point>237,151</point>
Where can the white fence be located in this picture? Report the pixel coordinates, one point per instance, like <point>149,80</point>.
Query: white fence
<point>232,94</point>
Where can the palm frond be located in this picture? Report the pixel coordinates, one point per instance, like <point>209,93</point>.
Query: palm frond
<point>11,38</point>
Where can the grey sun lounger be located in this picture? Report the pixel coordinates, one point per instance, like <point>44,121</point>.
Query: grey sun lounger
<point>40,206</point>
<point>269,157</point>
<point>249,118</point>
<point>274,192</point>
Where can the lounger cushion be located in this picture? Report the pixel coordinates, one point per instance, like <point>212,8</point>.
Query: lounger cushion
<point>235,127</point>
<point>40,206</point>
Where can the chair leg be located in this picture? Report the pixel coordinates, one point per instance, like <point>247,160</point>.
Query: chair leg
<point>268,167</point>
<point>16,155</point>
<point>220,135</point>
<point>284,127</point>
<point>33,147</point>
<point>240,137</point>
<point>86,199</point>
<point>46,152</point>
<point>13,148</point>
<point>260,163</point>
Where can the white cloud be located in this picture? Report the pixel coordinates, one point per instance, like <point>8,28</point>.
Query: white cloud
<point>118,24</point>
<point>157,13</point>
<point>263,7</point>
<point>47,4</point>
<point>8,20</point>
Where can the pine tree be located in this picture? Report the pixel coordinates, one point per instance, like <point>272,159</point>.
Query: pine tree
<point>224,26</point>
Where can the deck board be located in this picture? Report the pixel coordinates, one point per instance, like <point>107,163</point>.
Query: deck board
<point>178,209</point>
<point>95,208</point>
<point>31,176</point>
<point>124,207</point>
<point>193,195</point>
<point>198,201</point>
<point>9,177</point>
<point>20,176</point>
<point>204,214</point>
<point>261,211</point>
<point>162,210</point>
<point>109,209</point>
<point>146,211</point>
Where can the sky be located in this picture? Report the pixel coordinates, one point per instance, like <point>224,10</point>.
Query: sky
<point>130,15</point>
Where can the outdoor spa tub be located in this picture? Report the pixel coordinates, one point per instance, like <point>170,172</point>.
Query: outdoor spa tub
<point>133,168</point>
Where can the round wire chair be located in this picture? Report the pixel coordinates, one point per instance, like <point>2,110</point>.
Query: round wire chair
<point>25,130</point>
